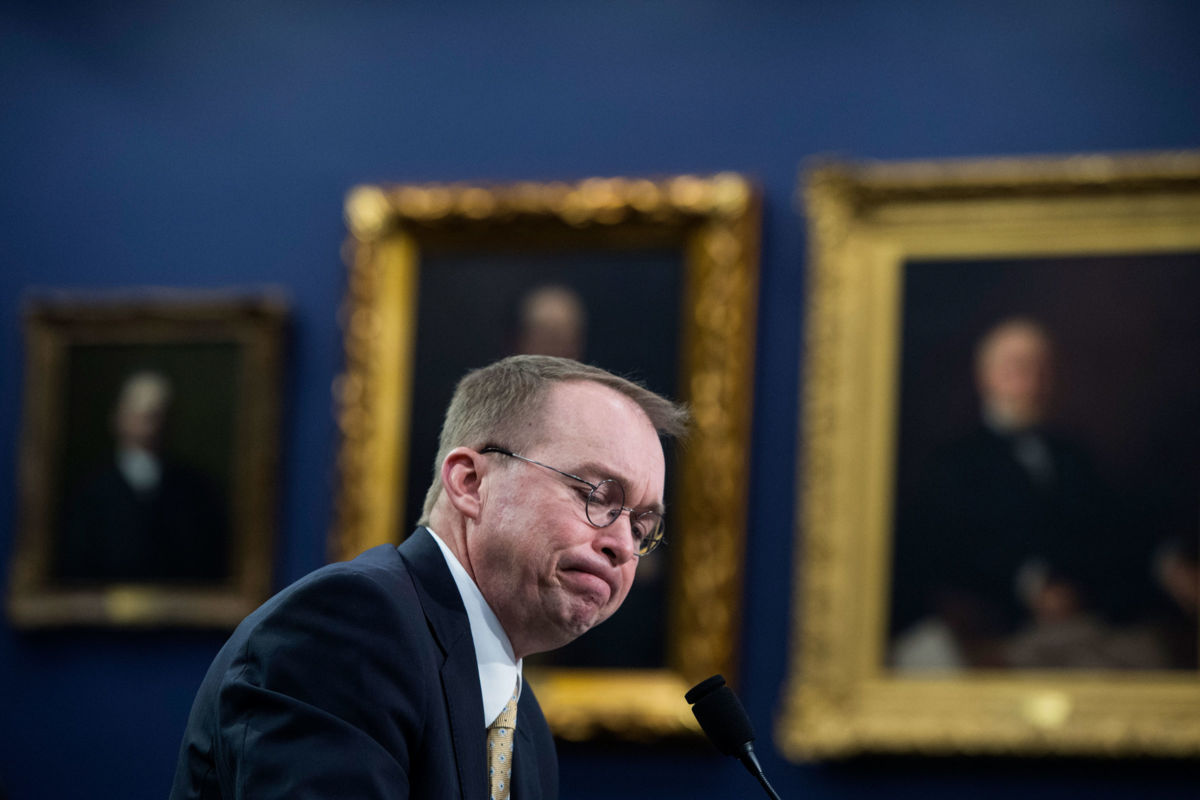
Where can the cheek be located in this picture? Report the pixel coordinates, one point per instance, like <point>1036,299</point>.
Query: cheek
<point>514,524</point>
<point>627,573</point>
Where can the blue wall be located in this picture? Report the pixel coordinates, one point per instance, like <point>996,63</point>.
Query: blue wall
<point>210,145</point>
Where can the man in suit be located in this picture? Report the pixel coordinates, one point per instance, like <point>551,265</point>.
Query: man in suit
<point>143,515</point>
<point>394,675</point>
<point>1011,523</point>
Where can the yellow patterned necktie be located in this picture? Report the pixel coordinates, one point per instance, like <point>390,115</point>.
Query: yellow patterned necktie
<point>500,749</point>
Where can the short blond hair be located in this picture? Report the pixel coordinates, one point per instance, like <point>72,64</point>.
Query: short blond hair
<point>495,403</point>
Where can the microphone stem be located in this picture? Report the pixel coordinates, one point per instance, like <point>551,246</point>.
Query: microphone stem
<point>767,786</point>
<point>750,760</point>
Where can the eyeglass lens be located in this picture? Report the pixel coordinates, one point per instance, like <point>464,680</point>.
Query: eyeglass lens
<point>605,504</point>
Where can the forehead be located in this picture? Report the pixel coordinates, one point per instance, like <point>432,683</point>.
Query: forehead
<point>584,422</point>
<point>1016,341</point>
<point>140,395</point>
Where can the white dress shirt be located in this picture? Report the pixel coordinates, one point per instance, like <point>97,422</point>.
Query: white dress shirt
<point>499,671</point>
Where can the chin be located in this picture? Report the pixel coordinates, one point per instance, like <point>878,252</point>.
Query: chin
<point>580,621</point>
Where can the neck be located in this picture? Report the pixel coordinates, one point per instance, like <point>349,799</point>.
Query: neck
<point>451,529</point>
<point>1007,420</point>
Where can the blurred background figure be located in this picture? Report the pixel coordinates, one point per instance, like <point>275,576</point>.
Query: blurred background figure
<point>1013,373</point>
<point>1177,572</point>
<point>1064,633</point>
<point>143,516</point>
<point>551,321</point>
<point>1014,534</point>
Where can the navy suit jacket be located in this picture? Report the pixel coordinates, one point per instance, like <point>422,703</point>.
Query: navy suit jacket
<point>979,515</point>
<point>359,680</point>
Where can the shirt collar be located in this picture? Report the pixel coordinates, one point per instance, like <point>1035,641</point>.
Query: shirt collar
<point>499,671</point>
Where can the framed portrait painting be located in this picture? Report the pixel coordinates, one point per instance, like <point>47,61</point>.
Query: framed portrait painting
<point>148,457</point>
<point>655,280</point>
<point>1000,503</point>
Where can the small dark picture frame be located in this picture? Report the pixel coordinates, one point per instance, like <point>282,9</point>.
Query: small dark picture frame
<point>148,459</point>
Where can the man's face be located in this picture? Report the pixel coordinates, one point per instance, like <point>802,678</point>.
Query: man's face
<point>139,419</point>
<point>548,573</point>
<point>1014,375</point>
<point>552,324</point>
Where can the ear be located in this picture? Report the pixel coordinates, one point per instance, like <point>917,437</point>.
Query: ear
<point>461,481</point>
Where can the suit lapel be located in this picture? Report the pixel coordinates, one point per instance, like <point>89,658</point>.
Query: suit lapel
<point>460,671</point>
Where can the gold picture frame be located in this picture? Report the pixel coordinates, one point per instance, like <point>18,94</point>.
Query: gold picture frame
<point>709,226</point>
<point>191,547</point>
<point>870,225</point>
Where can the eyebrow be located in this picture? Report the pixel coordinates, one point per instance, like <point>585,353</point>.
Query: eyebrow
<point>599,473</point>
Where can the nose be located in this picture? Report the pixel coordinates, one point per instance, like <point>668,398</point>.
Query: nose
<point>615,541</point>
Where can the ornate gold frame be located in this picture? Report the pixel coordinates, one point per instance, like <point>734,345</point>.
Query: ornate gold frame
<point>56,323</point>
<point>865,221</point>
<point>714,223</point>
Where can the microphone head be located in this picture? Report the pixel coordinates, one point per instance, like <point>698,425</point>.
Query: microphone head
<point>721,716</point>
<point>703,688</point>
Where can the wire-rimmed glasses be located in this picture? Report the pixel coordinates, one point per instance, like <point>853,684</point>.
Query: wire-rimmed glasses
<point>604,505</point>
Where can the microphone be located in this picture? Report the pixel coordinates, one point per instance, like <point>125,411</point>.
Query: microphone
<point>726,724</point>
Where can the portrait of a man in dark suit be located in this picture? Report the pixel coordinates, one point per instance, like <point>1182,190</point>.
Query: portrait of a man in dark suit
<point>554,303</point>
<point>143,514</point>
<point>1057,529</point>
<point>1013,513</point>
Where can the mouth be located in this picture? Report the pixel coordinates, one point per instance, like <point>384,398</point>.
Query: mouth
<point>586,581</point>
